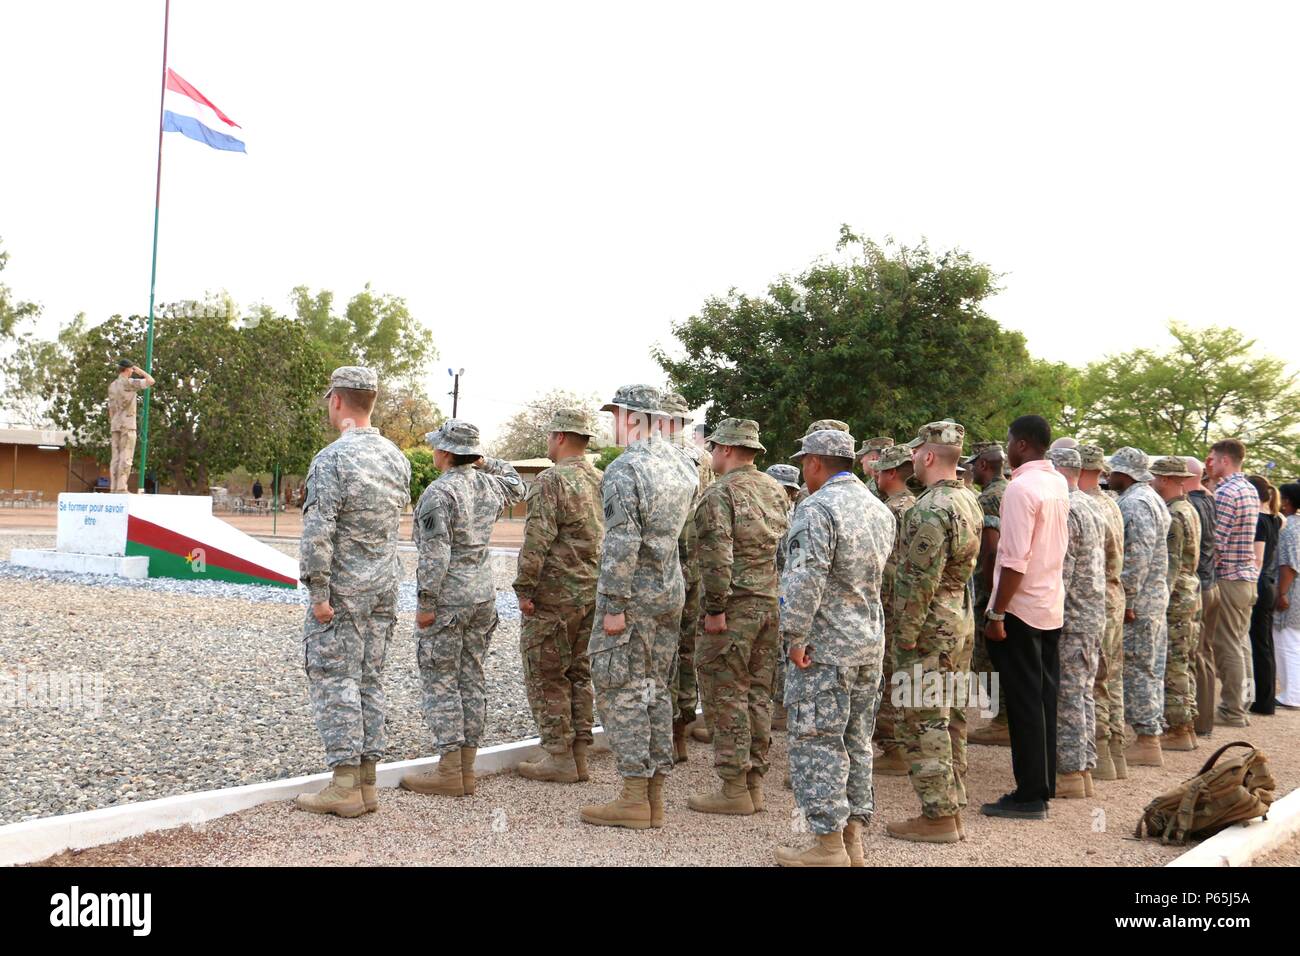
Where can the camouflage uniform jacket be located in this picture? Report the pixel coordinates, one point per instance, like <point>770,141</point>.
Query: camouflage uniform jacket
<point>1111,517</point>
<point>1146,556</point>
<point>357,487</point>
<point>122,393</point>
<point>840,539</point>
<point>688,542</point>
<point>941,543</point>
<point>990,501</point>
<point>452,527</point>
<point>559,560</point>
<point>1184,542</point>
<point>740,519</point>
<point>898,505</point>
<point>1084,569</point>
<point>647,495</point>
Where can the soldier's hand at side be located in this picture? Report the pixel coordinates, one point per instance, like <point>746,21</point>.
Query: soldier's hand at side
<point>322,612</point>
<point>425,619</point>
<point>1283,602</point>
<point>615,624</point>
<point>995,630</point>
<point>799,656</point>
<point>1130,615</point>
<point>526,607</point>
<point>715,623</point>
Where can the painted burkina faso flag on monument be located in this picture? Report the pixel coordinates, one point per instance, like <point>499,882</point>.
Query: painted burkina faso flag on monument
<point>175,554</point>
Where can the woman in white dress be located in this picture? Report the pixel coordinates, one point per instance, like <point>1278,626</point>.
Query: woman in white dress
<point>1286,620</point>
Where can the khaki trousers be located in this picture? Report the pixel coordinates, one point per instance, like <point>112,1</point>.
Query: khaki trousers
<point>1231,642</point>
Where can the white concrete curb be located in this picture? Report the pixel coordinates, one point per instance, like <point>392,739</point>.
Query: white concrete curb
<point>75,562</point>
<point>34,840</point>
<point>1239,845</point>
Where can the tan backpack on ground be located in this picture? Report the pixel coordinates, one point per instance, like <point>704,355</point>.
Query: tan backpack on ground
<point>1239,788</point>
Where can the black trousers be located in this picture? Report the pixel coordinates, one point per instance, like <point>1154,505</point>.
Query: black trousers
<point>1028,663</point>
<point>1261,649</point>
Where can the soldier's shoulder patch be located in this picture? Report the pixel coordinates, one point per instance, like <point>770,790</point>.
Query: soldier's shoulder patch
<point>925,544</point>
<point>797,549</point>
<point>615,513</point>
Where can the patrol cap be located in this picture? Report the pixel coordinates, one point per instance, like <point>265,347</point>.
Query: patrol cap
<point>895,456</point>
<point>991,448</point>
<point>1065,458</point>
<point>673,404</point>
<point>1093,458</point>
<point>1171,466</point>
<point>875,444</point>
<point>822,424</point>
<point>787,475</point>
<point>457,437</point>
<point>830,442</point>
<point>353,376</point>
<point>939,433</point>
<point>1132,462</point>
<point>573,420</point>
<point>737,432</point>
<point>125,363</point>
<point>635,398</point>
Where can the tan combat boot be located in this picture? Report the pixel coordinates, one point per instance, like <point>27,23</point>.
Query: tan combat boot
<point>342,797</point>
<point>1105,769</point>
<point>1071,786</point>
<point>629,809</point>
<point>369,790</point>
<point>923,829</point>
<point>827,851</point>
<point>780,717</point>
<point>701,732</point>
<point>1145,752</point>
<point>679,741</point>
<point>995,733</point>
<point>754,783</point>
<point>468,781</point>
<point>893,763</point>
<point>853,843</point>
<point>1088,789</point>
<point>655,795</point>
<point>443,778</point>
<point>961,830</point>
<point>1182,737</point>
<point>551,768</point>
<point>1117,755</point>
<point>733,798</point>
<point>580,759</point>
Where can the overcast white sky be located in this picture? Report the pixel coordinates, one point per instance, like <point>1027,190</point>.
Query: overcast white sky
<point>551,185</point>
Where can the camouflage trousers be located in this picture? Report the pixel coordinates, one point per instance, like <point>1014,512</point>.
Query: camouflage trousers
<point>123,451</point>
<point>557,673</point>
<point>934,738</point>
<point>887,714</point>
<point>1108,687</point>
<point>631,673</point>
<point>685,686</point>
<point>736,671</point>
<point>1180,667</point>
<point>1145,647</point>
<point>453,691</point>
<point>832,712</point>
<point>1076,712</point>
<point>344,660</point>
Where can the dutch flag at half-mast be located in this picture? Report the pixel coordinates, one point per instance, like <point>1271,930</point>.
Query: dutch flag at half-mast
<point>190,113</point>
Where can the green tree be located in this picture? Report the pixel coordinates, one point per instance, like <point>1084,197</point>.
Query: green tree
<point>1211,383</point>
<point>12,311</point>
<point>607,455</point>
<point>886,338</point>
<point>33,368</point>
<point>423,471</point>
<point>375,330</point>
<point>404,414</point>
<point>228,393</point>
<point>524,434</point>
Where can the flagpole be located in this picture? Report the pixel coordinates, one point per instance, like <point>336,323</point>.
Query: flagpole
<point>153,272</point>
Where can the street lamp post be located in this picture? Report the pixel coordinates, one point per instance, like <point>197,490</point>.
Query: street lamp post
<point>455,389</point>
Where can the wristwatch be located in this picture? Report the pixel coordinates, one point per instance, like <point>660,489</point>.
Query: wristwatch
<point>993,615</point>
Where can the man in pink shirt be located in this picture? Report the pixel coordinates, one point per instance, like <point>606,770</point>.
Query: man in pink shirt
<point>1024,617</point>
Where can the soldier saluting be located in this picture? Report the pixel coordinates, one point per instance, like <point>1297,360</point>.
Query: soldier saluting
<point>121,420</point>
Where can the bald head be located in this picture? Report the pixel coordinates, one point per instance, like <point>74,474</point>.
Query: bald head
<point>1064,443</point>
<point>1195,467</point>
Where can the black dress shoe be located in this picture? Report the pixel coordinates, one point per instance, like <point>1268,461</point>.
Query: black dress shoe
<point>1008,806</point>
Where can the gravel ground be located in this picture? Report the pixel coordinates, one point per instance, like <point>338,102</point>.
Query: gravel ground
<point>512,821</point>
<point>195,691</point>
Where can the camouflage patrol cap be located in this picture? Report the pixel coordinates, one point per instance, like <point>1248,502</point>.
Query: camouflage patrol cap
<point>992,448</point>
<point>1065,458</point>
<point>1171,466</point>
<point>737,432</point>
<point>353,376</point>
<point>573,420</point>
<point>457,437</point>
<point>875,444</point>
<point>822,424</point>
<point>894,456</point>
<point>1132,462</point>
<point>830,442</point>
<point>1093,458</point>
<point>673,404</point>
<point>787,475</point>
<point>635,398</point>
<point>939,433</point>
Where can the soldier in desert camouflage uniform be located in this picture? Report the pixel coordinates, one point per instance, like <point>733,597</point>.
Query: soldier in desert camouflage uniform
<point>740,520</point>
<point>559,562</point>
<point>936,631</point>
<point>455,611</point>
<point>1084,577</point>
<point>121,421</point>
<point>893,468</point>
<point>647,495</point>
<point>985,463</point>
<point>357,487</point>
<point>1184,544</point>
<point>832,623</point>
<point>1146,590</point>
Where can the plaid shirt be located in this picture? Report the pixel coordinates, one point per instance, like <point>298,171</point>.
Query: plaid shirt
<point>1236,512</point>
